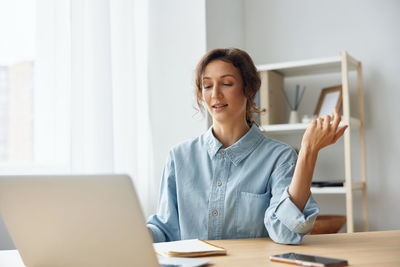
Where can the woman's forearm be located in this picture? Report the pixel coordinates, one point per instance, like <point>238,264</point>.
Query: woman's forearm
<point>319,134</point>
<point>299,189</point>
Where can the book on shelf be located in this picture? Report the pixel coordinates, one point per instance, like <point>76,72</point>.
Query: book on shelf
<point>187,248</point>
<point>327,183</point>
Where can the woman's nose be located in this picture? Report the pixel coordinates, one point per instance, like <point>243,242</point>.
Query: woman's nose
<point>216,92</point>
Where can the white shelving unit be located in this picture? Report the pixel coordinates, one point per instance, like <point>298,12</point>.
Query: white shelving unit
<point>273,74</point>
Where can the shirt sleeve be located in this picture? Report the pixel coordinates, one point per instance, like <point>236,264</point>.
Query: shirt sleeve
<point>284,222</point>
<point>164,225</point>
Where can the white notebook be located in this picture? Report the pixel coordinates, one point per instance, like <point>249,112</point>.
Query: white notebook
<point>187,248</point>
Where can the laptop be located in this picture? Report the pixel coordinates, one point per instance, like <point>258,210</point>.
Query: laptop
<point>76,220</point>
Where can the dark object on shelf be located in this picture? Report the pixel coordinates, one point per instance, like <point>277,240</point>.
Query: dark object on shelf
<point>327,183</point>
<point>328,224</point>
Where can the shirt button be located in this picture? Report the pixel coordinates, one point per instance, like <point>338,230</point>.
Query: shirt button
<point>215,213</point>
<point>219,183</point>
<point>223,152</point>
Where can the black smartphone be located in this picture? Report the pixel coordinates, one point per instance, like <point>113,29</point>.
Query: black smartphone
<point>308,260</point>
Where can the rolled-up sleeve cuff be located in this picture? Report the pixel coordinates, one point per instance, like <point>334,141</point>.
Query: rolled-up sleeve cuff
<point>290,215</point>
<point>157,234</point>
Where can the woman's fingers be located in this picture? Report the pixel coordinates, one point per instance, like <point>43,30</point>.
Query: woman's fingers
<point>339,133</point>
<point>323,132</point>
<point>326,121</point>
<point>320,122</point>
<point>314,122</point>
<point>336,119</point>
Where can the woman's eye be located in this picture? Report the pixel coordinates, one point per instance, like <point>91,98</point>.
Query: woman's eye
<point>227,84</point>
<point>207,86</point>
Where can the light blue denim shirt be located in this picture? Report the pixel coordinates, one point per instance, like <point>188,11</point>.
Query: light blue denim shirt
<point>211,192</point>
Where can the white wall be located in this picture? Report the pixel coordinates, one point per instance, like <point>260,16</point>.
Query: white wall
<point>177,42</point>
<point>286,30</point>
<point>225,23</point>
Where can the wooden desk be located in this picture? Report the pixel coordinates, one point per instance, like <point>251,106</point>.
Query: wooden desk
<point>359,249</point>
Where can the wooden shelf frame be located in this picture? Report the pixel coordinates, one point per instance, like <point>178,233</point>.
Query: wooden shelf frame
<point>343,63</point>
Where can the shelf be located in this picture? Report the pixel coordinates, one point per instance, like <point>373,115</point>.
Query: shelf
<point>309,67</point>
<point>328,190</point>
<point>275,129</point>
<point>336,189</point>
<point>273,77</point>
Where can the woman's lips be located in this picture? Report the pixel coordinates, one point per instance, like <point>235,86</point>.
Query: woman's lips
<point>219,107</point>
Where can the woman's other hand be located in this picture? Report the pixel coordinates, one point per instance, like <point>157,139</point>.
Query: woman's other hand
<point>323,132</point>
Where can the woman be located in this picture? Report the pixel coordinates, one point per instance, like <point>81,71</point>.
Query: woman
<point>232,181</point>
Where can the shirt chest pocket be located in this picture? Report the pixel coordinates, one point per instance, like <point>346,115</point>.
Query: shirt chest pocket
<point>249,214</point>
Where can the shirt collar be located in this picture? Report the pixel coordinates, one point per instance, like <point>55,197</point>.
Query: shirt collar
<point>239,150</point>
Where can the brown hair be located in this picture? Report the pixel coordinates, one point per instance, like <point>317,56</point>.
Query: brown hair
<point>243,62</point>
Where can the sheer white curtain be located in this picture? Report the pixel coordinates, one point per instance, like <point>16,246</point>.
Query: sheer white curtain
<point>91,90</point>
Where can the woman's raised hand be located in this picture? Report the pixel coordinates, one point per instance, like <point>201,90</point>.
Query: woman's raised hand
<point>323,132</point>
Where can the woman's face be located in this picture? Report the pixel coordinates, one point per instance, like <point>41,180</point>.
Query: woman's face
<point>223,92</point>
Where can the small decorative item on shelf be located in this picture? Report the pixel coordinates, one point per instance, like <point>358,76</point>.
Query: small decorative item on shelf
<point>294,115</point>
<point>329,99</point>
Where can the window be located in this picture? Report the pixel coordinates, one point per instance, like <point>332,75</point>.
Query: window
<point>17,56</point>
